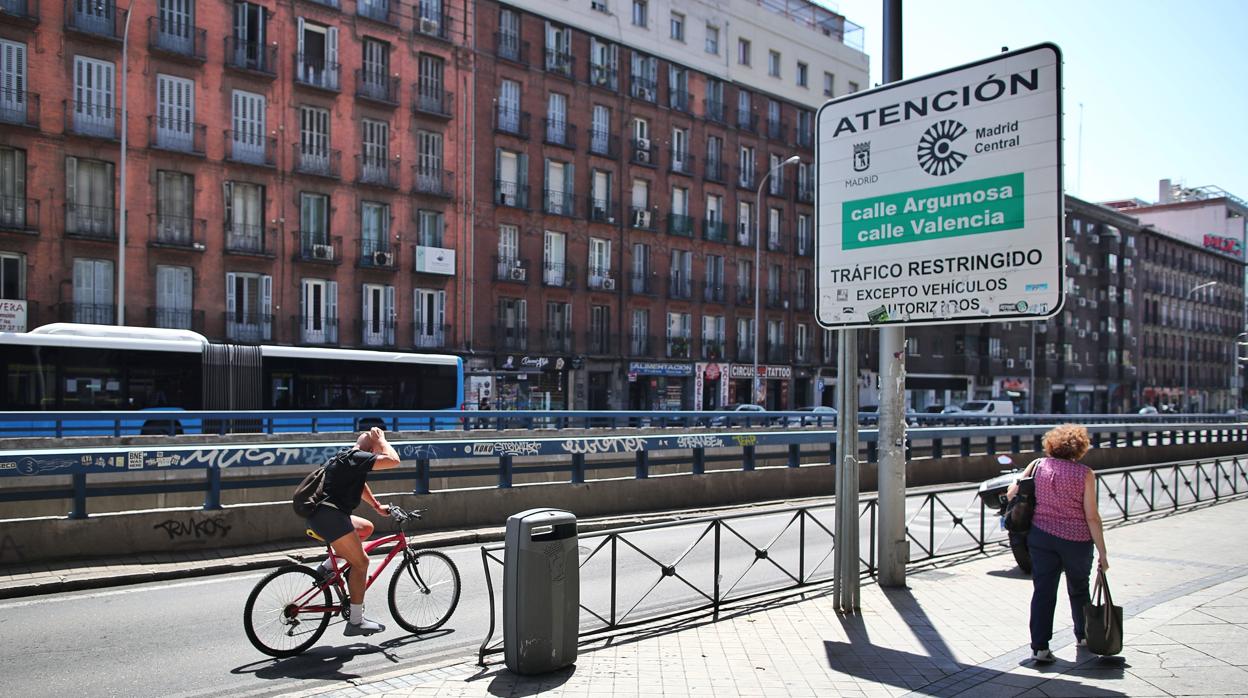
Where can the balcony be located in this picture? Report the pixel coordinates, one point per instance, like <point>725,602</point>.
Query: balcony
<point>94,18</point>
<point>559,63</point>
<point>432,181</point>
<point>434,101</point>
<point>642,283</point>
<point>252,57</point>
<point>511,337</point>
<point>714,292</point>
<point>804,192</point>
<point>713,110</point>
<point>745,177</point>
<point>511,194</point>
<point>744,295</point>
<point>177,232</point>
<point>644,152</point>
<point>432,23</point>
<point>177,39</point>
<point>776,129</point>
<point>558,203</point>
<point>439,261</point>
<point>602,210</point>
<point>251,148</point>
<point>512,122</point>
<point>715,171</point>
<point>431,336</point>
<point>318,162</point>
<point>558,132</point>
<point>745,350</point>
<point>248,327</point>
<point>176,136</point>
<point>680,225</point>
<point>90,222</point>
<point>316,72</point>
<point>332,4</point>
<point>775,241</point>
<point>19,215</point>
<point>509,47</point>
<point>714,230</point>
<point>641,345</point>
<point>747,122</point>
<point>557,340</point>
<point>682,162</point>
<point>317,247</point>
<point>378,254</point>
<point>512,270</point>
<point>378,11</point>
<point>377,87</point>
<point>803,301</point>
<point>20,11</point>
<point>643,89</point>
<point>775,184</point>
<point>375,171</point>
<point>679,346</point>
<point>680,287</point>
<point>805,138</point>
<point>600,343</point>
<point>777,353</point>
<point>746,233</point>
<point>87,313</point>
<point>247,240</point>
<point>376,332</point>
<point>604,77</point>
<point>641,218</point>
<point>315,330</point>
<point>604,144</point>
<point>92,119</point>
<point>557,275</point>
<point>713,348</point>
<point>600,280</point>
<point>775,299</point>
<point>176,318</point>
<point>680,100</point>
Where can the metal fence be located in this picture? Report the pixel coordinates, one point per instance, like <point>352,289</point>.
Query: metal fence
<point>701,566</point>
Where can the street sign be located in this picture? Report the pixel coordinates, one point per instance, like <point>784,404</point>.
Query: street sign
<point>940,198</point>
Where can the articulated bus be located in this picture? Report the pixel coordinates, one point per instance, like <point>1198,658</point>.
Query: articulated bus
<point>79,367</point>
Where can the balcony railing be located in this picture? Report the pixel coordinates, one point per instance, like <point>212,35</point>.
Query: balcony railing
<point>314,329</point>
<point>377,332</point>
<point>641,345</point>
<point>777,353</point>
<point>714,292</point>
<point>433,181</point>
<point>645,152</point>
<point>90,222</point>
<point>713,110</point>
<point>430,336</point>
<point>680,287</point>
<point>511,194</point>
<point>247,239</point>
<point>92,119</point>
<point>558,275</point>
<point>747,121</point>
<point>804,193</point>
<point>642,283</point>
<point>713,348</point>
<point>558,202</point>
<point>745,234</point>
<point>251,147</point>
<point>320,162</point>
<point>315,71</point>
<point>775,299</point>
<point>19,215</point>
<point>602,210</point>
<point>679,346</point>
<point>600,279</point>
<point>509,47</point>
<point>19,107</point>
<point>432,100</point>
<point>643,88</point>
<point>511,269</point>
<point>176,318</point>
<point>432,23</point>
<point>680,100</point>
<point>805,138</point>
<point>641,218</point>
<point>558,132</point>
<point>248,327</point>
<point>251,56</point>
<point>318,247</point>
<point>600,343</point>
<point>559,63</point>
<point>94,17</point>
<point>682,162</point>
<point>557,340</point>
<point>802,301</point>
<point>714,171</point>
<point>176,135</point>
<point>87,313</point>
<point>376,86</point>
<point>776,129</point>
<point>181,232</point>
<point>805,246</point>
<point>378,254</point>
<point>775,185</point>
<point>745,177</point>
<point>604,76</point>
<point>680,225</point>
<point>511,337</point>
<point>177,37</point>
<point>744,295</point>
<point>23,11</point>
<point>715,230</point>
<point>745,350</point>
<point>604,144</point>
<point>775,242</point>
<point>378,10</point>
<point>376,171</point>
<point>511,121</point>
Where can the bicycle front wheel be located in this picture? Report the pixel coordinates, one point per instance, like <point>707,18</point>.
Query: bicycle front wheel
<point>424,591</point>
<point>273,618</point>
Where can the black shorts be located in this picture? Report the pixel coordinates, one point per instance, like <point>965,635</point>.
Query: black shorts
<point>330,523</point>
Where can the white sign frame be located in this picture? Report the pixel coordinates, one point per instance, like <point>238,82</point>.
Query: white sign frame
<point>846,297</point>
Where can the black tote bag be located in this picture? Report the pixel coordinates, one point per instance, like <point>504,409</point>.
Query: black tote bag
<point>1102,620</point>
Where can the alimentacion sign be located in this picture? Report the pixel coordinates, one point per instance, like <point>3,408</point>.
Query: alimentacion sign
<point>940,198</point>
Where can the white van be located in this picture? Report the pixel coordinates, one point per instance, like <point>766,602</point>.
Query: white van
<point>987,408</point>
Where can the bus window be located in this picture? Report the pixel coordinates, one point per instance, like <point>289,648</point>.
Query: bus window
<point>30,387</point>
<point>282,394</point>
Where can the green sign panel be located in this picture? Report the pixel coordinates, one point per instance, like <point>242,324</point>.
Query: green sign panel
<point>966,208</point>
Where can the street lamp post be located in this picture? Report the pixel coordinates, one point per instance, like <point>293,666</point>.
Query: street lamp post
<point>758,263</point>
<point>1187,400</point>
<point>121,234</point>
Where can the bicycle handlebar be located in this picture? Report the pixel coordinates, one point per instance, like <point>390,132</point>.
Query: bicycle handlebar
<point>400,515</point>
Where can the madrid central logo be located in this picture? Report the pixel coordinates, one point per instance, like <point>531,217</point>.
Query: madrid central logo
<point>937,155</point>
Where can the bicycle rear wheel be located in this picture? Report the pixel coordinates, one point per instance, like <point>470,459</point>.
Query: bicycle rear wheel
<point>424,591</point>
<point>272,618</point>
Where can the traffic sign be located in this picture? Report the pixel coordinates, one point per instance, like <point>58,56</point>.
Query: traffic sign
<point>940,198</point>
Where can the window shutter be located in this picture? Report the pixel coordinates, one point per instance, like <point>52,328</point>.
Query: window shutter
<point>331,53</point>
<point>71,192</point>
<point>569,186</point>
<point>229,297</point>
<point>522,166</point>
<point>266,303</point>
<point>331,301</point>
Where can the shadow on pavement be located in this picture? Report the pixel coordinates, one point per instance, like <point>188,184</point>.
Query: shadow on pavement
<point>327,662</point>
<point>512,685</point>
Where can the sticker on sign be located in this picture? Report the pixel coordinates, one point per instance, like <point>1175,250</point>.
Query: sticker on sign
<point>940,198</point>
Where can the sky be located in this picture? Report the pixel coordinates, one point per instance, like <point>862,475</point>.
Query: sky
<point>1163,85</point>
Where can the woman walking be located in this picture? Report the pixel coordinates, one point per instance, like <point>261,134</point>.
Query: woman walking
<point>1064,529</point>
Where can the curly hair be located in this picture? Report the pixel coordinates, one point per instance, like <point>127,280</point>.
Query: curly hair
<point>1067,441</point>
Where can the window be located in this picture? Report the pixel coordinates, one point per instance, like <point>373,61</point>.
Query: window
<point>557,119</point>
<point>640,278</point>
<point>379,315</point>
<point>559,326</point>
<point>745,166</point>
<point>508,245</point>
<point>712,39</point>
<point>430,226</point>
<point>316,60</point>
<point>743,51</point>
<point>600,6</point>
<point>805,243</point>
<point>745,223</point>
<point>12,276</point>
<point>12,82</point>
<point>314,140</point>
<point>600,130</point>
<point>599,329</point>
<point>314,225</point>
<point>89,208</point>
<point>801,343</point>
<point>853,87</point>
<point>249,46</point>
<point>244,217</point>
<point>604,60</point>
<point>318,311</point>
<point>828,80</point>
<point>639,336</point>
<point>12,188</point>
<point>558,49</point>
<point>773,63</point>
<point>681,161</point>
<point>509,106</point>
<point>744,109</point>
<point>93,291</point>
<point>713,327</point>
<point>599,262</point>
<point>175,197</point>
<point>802,69</point>
<point>714,100</point>
<point>640,13</point>
<point>600,197</point>
<point>375,75</point>
<point>678,26</point>
<point>429,91</point>
<point>678,89</point>
<point>554,256</point>
<point>375,233</point>
<point>513,319</point>
<point>429,162</point>
<point>508,35</point>
<point>429,317</point>
<point>175,113</point>
<point>375,158</point>
<point>93,104</point>
<point>560,188</point>
<point>645,77</point>
<point>511,175</point>
<point>249,136</point>
<point>679,332</point>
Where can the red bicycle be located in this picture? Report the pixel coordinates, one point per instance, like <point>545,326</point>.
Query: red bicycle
<point>290,608</point>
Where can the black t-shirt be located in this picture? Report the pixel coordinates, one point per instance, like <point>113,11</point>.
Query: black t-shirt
<point>345,478</point>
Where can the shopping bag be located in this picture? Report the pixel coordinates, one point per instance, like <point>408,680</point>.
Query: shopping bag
<point>1102,620</point>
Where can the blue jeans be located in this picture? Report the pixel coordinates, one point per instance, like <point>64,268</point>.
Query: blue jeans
<point>1050,556</point>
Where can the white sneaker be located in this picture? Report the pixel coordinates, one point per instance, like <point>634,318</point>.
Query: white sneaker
<point>1081,642</point>
<point>1043,657</point>
<point>364,627</point>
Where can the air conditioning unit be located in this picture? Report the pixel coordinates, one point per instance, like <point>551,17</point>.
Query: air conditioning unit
<point>601,77</point>
<point>322,252</point>
<point>643,150</point>
<point>383,259</point>
<point>518,274</point>
<point>1009,363</point>
<point>428,26</point>
<point>608,284</point>
<point>508,199</point>
<point>1083,302</point>
<point>641,219</point>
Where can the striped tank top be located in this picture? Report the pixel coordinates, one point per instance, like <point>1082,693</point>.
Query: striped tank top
<point>1059,499</point>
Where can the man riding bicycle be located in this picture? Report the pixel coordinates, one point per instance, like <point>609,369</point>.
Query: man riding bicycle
<point>345,485</point>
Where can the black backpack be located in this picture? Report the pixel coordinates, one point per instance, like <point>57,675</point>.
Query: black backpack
<point>311,492</point>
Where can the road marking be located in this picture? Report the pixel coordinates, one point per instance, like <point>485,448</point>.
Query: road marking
<point>119,592</point>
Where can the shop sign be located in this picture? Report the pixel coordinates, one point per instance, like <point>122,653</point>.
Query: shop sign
<point>435,260</point>
<point>658,368</point>
<point>737,371</point>
<point>12,316</point>
<point>519,362</point>
<point>1016,384</point>
<point>712,372</point>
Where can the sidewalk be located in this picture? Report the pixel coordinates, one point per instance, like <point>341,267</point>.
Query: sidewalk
<point>959,629</point>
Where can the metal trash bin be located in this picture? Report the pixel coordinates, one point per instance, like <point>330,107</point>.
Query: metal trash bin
<point>541,591</point>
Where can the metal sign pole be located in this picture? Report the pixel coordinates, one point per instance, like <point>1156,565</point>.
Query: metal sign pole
<point>845,562</point>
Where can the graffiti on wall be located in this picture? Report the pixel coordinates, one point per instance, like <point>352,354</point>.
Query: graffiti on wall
<point>194,529</point>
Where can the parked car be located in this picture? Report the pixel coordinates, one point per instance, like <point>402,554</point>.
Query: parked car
<point>820,415</point>
<point>1148,409</point>
<point>724,420</point>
